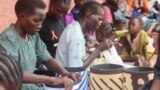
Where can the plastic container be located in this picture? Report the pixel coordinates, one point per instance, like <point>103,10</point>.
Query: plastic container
<point>147,85</point>
<point>135,77</point>
<point>106,77</point>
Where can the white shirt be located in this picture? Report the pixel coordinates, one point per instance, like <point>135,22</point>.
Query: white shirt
<point>111,56</point>
<point>71,47</point>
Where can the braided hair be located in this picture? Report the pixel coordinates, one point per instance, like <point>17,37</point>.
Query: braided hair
<point>10,72</point>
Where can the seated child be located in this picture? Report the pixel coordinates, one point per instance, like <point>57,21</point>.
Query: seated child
<point>138,41</point>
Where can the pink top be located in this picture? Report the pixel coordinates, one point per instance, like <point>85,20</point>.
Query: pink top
<point>108,16</point>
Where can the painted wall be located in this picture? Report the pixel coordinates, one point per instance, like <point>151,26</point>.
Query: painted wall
<point>7,14</point>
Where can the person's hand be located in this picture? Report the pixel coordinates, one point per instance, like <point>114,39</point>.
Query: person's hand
<point>105,45</point>
<point>129,41</point>
<point>68,83</point>
<point>142,62</point>
<point>76,77</point>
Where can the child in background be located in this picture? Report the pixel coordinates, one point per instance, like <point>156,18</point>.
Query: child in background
<point>135,6</point>
<point>122,13</point>
<point>105,33</point>
<point>138,40</point>
<point>123,7</point>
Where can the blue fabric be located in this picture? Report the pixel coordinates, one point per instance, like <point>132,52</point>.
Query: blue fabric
<point>135,14</point>
<point>76,11</point>
<point>83,85</point>
<point>119,16</point>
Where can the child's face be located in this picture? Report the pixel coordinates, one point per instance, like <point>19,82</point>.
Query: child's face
<point>134,26</point>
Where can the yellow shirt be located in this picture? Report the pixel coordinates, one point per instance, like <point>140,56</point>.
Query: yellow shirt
<point>142,42</point>
<point>121,33</point>
<point>139,44</point>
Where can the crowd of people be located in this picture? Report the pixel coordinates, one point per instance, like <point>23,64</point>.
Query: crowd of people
<point>90,33</point>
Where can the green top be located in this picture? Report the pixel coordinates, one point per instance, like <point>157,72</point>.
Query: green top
<point>27,53</point>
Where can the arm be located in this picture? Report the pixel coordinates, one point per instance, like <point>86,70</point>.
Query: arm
<point>33,78</point>
<point>145,52</point>
<point>52,64</point>
<point>130,45</point>
<point>152,61</point>
<point>76,53</point>
<point>44,56</point>
<point>149,63</point>
<point>101,47</point>
<point>144,42</point>
<point>90,59</point>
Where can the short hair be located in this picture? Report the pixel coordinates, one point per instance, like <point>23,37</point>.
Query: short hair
<point>106,26</point>
<point>104,29</point>
<point>139,19</point>
<point>10,72</point>
<point>90,6</point>
<point>28,6</point>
